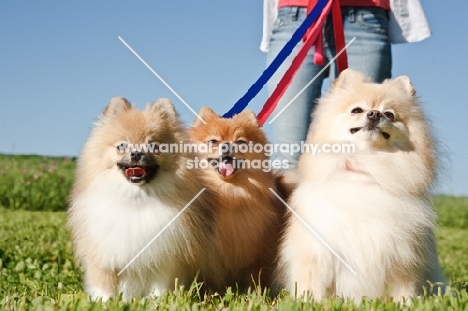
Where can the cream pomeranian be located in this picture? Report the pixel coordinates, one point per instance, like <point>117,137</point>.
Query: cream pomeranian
<point>249,216</point>
<point>370,204</point>
<point>125,193</point>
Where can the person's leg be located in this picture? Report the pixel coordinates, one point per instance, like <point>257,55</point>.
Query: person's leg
<point>370,53</point>
<point>292,124</point>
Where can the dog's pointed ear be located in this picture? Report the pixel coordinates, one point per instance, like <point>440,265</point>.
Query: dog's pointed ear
<point>204,115</point>
<point>348,78</point>
<point>248,116</point>
<point>164,108</point>
<point>116,106</point>
<point>404,83</point>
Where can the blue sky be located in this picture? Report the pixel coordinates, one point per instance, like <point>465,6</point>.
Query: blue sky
<point>61,62</point>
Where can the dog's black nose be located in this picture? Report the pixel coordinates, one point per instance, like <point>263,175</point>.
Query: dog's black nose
<point>226,149</point>
<point>136,155</point>
<point>374,115</point>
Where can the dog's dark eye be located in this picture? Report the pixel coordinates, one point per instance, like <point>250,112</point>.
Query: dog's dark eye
<point>153,147</point>
<point>213,141</point>
<point>389,115</point>
<point>241,142</point>
<point>357,110</point>
<point>122,147</point>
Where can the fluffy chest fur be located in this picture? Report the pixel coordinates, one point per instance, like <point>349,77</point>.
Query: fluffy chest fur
<point>380,236</point>
<point>364,223</point>
<point>121,218</point>
<point>249,215</point>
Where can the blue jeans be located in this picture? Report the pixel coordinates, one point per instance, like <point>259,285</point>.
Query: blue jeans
<point>370,53</point>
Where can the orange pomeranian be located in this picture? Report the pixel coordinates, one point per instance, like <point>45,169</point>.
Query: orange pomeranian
<point>249,215</point>
<point>126,193</point>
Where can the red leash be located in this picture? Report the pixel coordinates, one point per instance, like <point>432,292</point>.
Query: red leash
<point>342,60</point>
<point>312,37</point>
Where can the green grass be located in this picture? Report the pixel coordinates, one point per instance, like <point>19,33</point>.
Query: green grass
<point>36,258</point>
<point>35,183</point>
<point>452,211</point>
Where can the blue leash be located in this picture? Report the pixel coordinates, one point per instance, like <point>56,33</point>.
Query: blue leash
<point>279,59</point>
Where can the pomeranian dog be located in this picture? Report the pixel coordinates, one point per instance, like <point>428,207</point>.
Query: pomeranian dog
<point>249,216</point>
<point>126,193</point>
<point>370,205</point>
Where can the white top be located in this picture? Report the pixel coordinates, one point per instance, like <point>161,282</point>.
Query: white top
<point>407,22</point>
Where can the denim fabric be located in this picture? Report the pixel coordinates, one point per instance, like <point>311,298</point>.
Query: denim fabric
<point>370,53</point>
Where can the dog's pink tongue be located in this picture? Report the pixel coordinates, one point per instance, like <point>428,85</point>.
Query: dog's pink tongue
<point>135,171</point>
<point>226,169</point>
